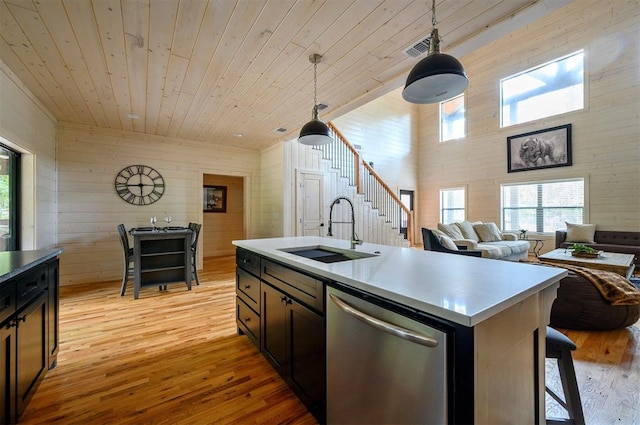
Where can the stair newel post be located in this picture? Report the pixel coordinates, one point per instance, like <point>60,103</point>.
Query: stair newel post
<point>357,167</point>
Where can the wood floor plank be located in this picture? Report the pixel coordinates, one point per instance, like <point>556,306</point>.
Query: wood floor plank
<point>173,357</point>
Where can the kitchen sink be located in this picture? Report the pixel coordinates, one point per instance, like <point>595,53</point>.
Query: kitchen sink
<point>327,254</point>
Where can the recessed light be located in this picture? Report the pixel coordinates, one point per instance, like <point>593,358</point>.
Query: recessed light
<point>133,116</point>
<point>281,130</point>
<point>238,135</point>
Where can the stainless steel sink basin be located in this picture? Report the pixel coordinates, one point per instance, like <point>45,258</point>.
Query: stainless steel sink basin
<point>326,254</point>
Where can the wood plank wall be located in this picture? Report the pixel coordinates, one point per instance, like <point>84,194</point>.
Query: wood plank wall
<point>606,134</point>
<point>89,208</point>
<point>29,128</point>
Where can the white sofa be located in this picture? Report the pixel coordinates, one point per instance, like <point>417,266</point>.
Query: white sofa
<point>485,237</point>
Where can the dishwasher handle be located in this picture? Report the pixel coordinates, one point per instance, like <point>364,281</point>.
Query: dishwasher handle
<point>387,327</point>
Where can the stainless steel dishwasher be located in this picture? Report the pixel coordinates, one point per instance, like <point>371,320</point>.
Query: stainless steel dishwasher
<point>382,367</point>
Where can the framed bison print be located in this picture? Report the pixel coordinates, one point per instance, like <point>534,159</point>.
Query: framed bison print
<point>540,149</point>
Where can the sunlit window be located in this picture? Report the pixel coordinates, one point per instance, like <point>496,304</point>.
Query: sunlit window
<point>452,205</point>
<point>550,89</point>
<point>542,207</point>
<point>452,119</point>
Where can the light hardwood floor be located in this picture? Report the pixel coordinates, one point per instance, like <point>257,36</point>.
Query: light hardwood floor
<point>174,358</point>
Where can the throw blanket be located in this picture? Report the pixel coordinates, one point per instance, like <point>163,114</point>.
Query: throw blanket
<point>614,288</point>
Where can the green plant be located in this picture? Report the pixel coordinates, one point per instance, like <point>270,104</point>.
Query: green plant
<point>578,247</point>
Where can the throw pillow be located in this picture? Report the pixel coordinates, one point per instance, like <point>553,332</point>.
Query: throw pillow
<point>448,243</point>
<point>467,230</point>
<point>488,232</point>
<point>580,233</point>
<point>450,230</point>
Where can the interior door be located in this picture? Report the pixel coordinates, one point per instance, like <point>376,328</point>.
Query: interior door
<point>310,216</point>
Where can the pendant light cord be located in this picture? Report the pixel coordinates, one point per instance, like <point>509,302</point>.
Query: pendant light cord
<point>315,87</point>
<point>433,14</point>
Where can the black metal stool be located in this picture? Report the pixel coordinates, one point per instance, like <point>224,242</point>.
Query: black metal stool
<point>558,346</point>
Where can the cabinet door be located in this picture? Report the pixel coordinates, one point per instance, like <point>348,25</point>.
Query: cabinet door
<point>307,356</point>
<point>273,342</point>
<point>54,312</point>
<point>8,372</point>
<point>32,358</point>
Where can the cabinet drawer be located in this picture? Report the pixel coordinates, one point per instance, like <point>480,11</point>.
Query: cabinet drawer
<point>248,261</point>
<point>30,285</point>
<point>306,289</point>
<point>248,321</point>
<point>248,288</point>
<point>7,299</point>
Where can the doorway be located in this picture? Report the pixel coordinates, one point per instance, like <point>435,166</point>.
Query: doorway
<point>407,198</point>
<point>309,205</point>
<point>9,199</point>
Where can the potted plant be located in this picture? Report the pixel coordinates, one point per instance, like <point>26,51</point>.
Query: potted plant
<point>523,233</point>
<point>581,250</point>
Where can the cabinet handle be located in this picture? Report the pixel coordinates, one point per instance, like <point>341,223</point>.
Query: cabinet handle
<point>400,332</point>
<point>283,299</point>
<point>247,320</point>
<point>247,286</point>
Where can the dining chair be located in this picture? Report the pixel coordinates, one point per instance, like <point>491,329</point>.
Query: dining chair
<point>195,228</point>
<point>127,256</point>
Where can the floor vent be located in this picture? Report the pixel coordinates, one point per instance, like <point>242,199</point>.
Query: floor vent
<point>418,48</point>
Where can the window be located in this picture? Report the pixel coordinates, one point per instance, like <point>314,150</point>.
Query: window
<point>452,119</point>
<point>9,200</point>
<point>452,205</point>
<point>550,89</point>
<point>542,207</point>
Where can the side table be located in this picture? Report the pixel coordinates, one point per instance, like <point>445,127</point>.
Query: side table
<point>539,243</point>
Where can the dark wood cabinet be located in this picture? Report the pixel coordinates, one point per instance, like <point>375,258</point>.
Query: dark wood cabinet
<point>53,275</point>
<point>281,310</point>
<point>8,371</point>
<point>32,359</point>
<point>28,335</point>
<point>293,335</point>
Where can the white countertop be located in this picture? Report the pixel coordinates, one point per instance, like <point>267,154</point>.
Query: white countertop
<point>464,290</point>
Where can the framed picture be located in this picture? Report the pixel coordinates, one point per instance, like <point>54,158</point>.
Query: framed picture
<point>214,199</point>
<point>540,149</point>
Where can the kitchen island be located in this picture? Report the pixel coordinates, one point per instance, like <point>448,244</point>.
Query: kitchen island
<point>493,314</point>
<point>29,325</point>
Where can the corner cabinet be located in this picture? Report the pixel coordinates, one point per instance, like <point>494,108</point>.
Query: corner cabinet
<point>29,336</point>
<point>291,330</point>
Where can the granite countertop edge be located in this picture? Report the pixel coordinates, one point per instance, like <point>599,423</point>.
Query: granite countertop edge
<point>13,263</point>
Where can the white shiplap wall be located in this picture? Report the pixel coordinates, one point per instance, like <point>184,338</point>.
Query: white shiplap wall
<point>29,128</point>
<point>90,209</point>
<point>606,134</point>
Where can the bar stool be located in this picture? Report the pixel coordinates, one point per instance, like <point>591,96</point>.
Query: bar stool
<point>559,347</point>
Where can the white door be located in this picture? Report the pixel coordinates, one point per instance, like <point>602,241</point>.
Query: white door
<point>309,204</point>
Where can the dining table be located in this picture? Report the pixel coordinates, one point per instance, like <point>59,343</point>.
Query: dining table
<point>161,256</point>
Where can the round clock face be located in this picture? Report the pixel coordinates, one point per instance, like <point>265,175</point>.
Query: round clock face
<point>139,185</point>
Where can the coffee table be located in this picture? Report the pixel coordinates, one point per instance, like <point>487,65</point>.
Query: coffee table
<point>621,264</point>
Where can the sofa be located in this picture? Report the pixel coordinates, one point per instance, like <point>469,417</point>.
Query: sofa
<point>483,237</point>
<point>603,240</point>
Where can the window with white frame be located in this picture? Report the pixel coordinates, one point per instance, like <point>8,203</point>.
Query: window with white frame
<point>452,205</point>
<point>550,89</point>
<point>452,119</point>
<point>542,207</point>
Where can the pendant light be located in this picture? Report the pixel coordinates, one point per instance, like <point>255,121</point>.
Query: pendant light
<point>315,132</point>
<point>438,77</point>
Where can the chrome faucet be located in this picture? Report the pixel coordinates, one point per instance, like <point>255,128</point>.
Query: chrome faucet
<point>354,237</point>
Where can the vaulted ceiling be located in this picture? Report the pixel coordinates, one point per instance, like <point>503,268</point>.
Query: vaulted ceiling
<point>211,70</point>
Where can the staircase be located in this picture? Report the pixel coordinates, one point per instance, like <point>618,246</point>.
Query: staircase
<point>382,215</point>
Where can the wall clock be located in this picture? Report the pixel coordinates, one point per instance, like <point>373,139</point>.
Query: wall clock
<point>139,185</point>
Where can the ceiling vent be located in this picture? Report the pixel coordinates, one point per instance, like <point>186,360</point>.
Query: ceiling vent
<point>418,48</point>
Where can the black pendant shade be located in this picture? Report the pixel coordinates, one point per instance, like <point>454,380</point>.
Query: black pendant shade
<point>434,79</point>
<point>314,133</point>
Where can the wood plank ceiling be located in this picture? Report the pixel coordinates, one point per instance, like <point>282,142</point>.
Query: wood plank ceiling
<point>208,70</point>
